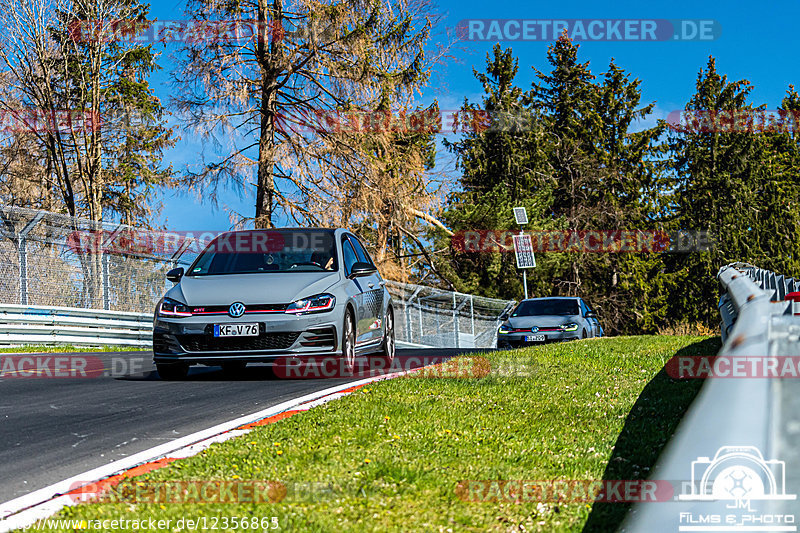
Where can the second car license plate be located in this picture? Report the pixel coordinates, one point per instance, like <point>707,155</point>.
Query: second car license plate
<point>236,330</point>
<point>534,338</point>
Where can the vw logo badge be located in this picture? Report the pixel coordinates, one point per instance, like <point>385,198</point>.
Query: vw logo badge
<point>534,329</point>
<point>236,309</point>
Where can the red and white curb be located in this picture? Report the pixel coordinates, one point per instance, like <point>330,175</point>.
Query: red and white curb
<point>25,510</point>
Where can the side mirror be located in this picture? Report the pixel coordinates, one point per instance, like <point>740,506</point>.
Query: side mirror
<point>361,269</point>
<point>504,316</point>
<point>175,274</point>
<point>591,314</point>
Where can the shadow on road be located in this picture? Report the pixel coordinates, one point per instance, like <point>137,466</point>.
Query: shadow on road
<point>648,427</point>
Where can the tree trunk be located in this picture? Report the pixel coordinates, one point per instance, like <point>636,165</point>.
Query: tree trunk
<point>94,179</point>
<point>384,229</point>
<point>267,57</point>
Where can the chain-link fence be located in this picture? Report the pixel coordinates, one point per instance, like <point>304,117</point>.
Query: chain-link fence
<point>54,259</point>
<point>45,259</point>
<point>433,317</point>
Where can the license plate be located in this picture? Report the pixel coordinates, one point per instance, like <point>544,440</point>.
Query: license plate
<point>534,338</point>
<point>236,330</point>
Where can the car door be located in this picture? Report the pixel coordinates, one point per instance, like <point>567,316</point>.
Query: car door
<point>372,287</point>
<point>592,322</point>
<point>349,258</point>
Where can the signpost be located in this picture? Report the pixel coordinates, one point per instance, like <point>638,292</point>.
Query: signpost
<point>523,247</point>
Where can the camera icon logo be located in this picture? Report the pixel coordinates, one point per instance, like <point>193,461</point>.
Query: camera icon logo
<point>737,473</point>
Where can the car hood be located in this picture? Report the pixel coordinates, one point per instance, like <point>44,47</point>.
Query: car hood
<point>542,320</point>
<point>277,288</point>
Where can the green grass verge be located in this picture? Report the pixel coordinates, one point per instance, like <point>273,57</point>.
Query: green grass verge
<point>65,348</point>
<point>391,454</point>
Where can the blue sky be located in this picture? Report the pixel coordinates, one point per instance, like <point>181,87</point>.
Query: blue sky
<point>759,41</point>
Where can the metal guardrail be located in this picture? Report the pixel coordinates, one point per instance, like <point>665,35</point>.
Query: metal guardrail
<point>742,414</point>
<point>23,324</point>
<point>426,317</point>
<point>40,265</point>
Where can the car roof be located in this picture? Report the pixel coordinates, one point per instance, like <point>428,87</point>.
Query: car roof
<point>284,229</point>
<point>576,298</point>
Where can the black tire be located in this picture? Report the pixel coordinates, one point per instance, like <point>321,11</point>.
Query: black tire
<point>233,367</point>
<point>388,348</point>
<point>172,371</point>
<point>348,343</point>
<point>583,335</point>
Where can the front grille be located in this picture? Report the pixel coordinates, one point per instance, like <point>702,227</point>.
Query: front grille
<point>265,341</point>
<point>250,308</point>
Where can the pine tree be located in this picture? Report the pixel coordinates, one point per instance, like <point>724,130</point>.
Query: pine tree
<point>502,167</point>
<point>717,183</point>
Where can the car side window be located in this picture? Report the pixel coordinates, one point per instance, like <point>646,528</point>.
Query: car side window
<point>362,254</point>
<point>349,256</point>
<point>584,308</point>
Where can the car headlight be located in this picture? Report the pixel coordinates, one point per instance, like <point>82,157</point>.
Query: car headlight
<point>314,304</point>
<point>173,309</point>
<point>572,326</point>
<point>504,328</point>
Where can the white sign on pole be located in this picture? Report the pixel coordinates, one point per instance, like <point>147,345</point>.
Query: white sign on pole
<point>521,216</point>
<point>523,248</point>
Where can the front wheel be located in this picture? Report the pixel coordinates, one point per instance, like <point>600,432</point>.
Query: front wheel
<point>387,353</point>
<point>348,343</point>
<point>172,371</point>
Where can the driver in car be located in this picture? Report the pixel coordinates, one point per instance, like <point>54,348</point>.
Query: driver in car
<point>323,259</point>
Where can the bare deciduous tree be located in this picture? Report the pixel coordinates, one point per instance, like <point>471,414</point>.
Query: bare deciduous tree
<point>83,107</point>
<point>308,57</point>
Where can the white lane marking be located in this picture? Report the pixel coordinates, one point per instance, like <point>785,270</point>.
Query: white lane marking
<point>25,510</point>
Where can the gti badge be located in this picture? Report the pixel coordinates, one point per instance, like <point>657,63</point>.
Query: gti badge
<point>236,309</point>
<point>534,329</point>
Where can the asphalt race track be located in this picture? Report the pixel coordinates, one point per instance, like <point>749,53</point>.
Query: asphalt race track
<point>53,428</point>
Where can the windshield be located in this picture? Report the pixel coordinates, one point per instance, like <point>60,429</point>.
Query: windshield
<point>547,307</point>
<point>261,251</point>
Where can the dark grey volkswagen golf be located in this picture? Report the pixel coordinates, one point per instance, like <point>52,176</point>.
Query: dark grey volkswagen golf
<point>553,319</point>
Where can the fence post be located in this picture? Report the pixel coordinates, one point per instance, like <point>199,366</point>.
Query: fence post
<point>419,308</point>
<point>106,299</point>
<point>472,314</point>
<point>455,321</point>
<point>104,260</point>
<point>22,249</point>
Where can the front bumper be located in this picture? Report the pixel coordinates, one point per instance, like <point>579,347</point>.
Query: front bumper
<point>515,340</point>
<point>191,340</point>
